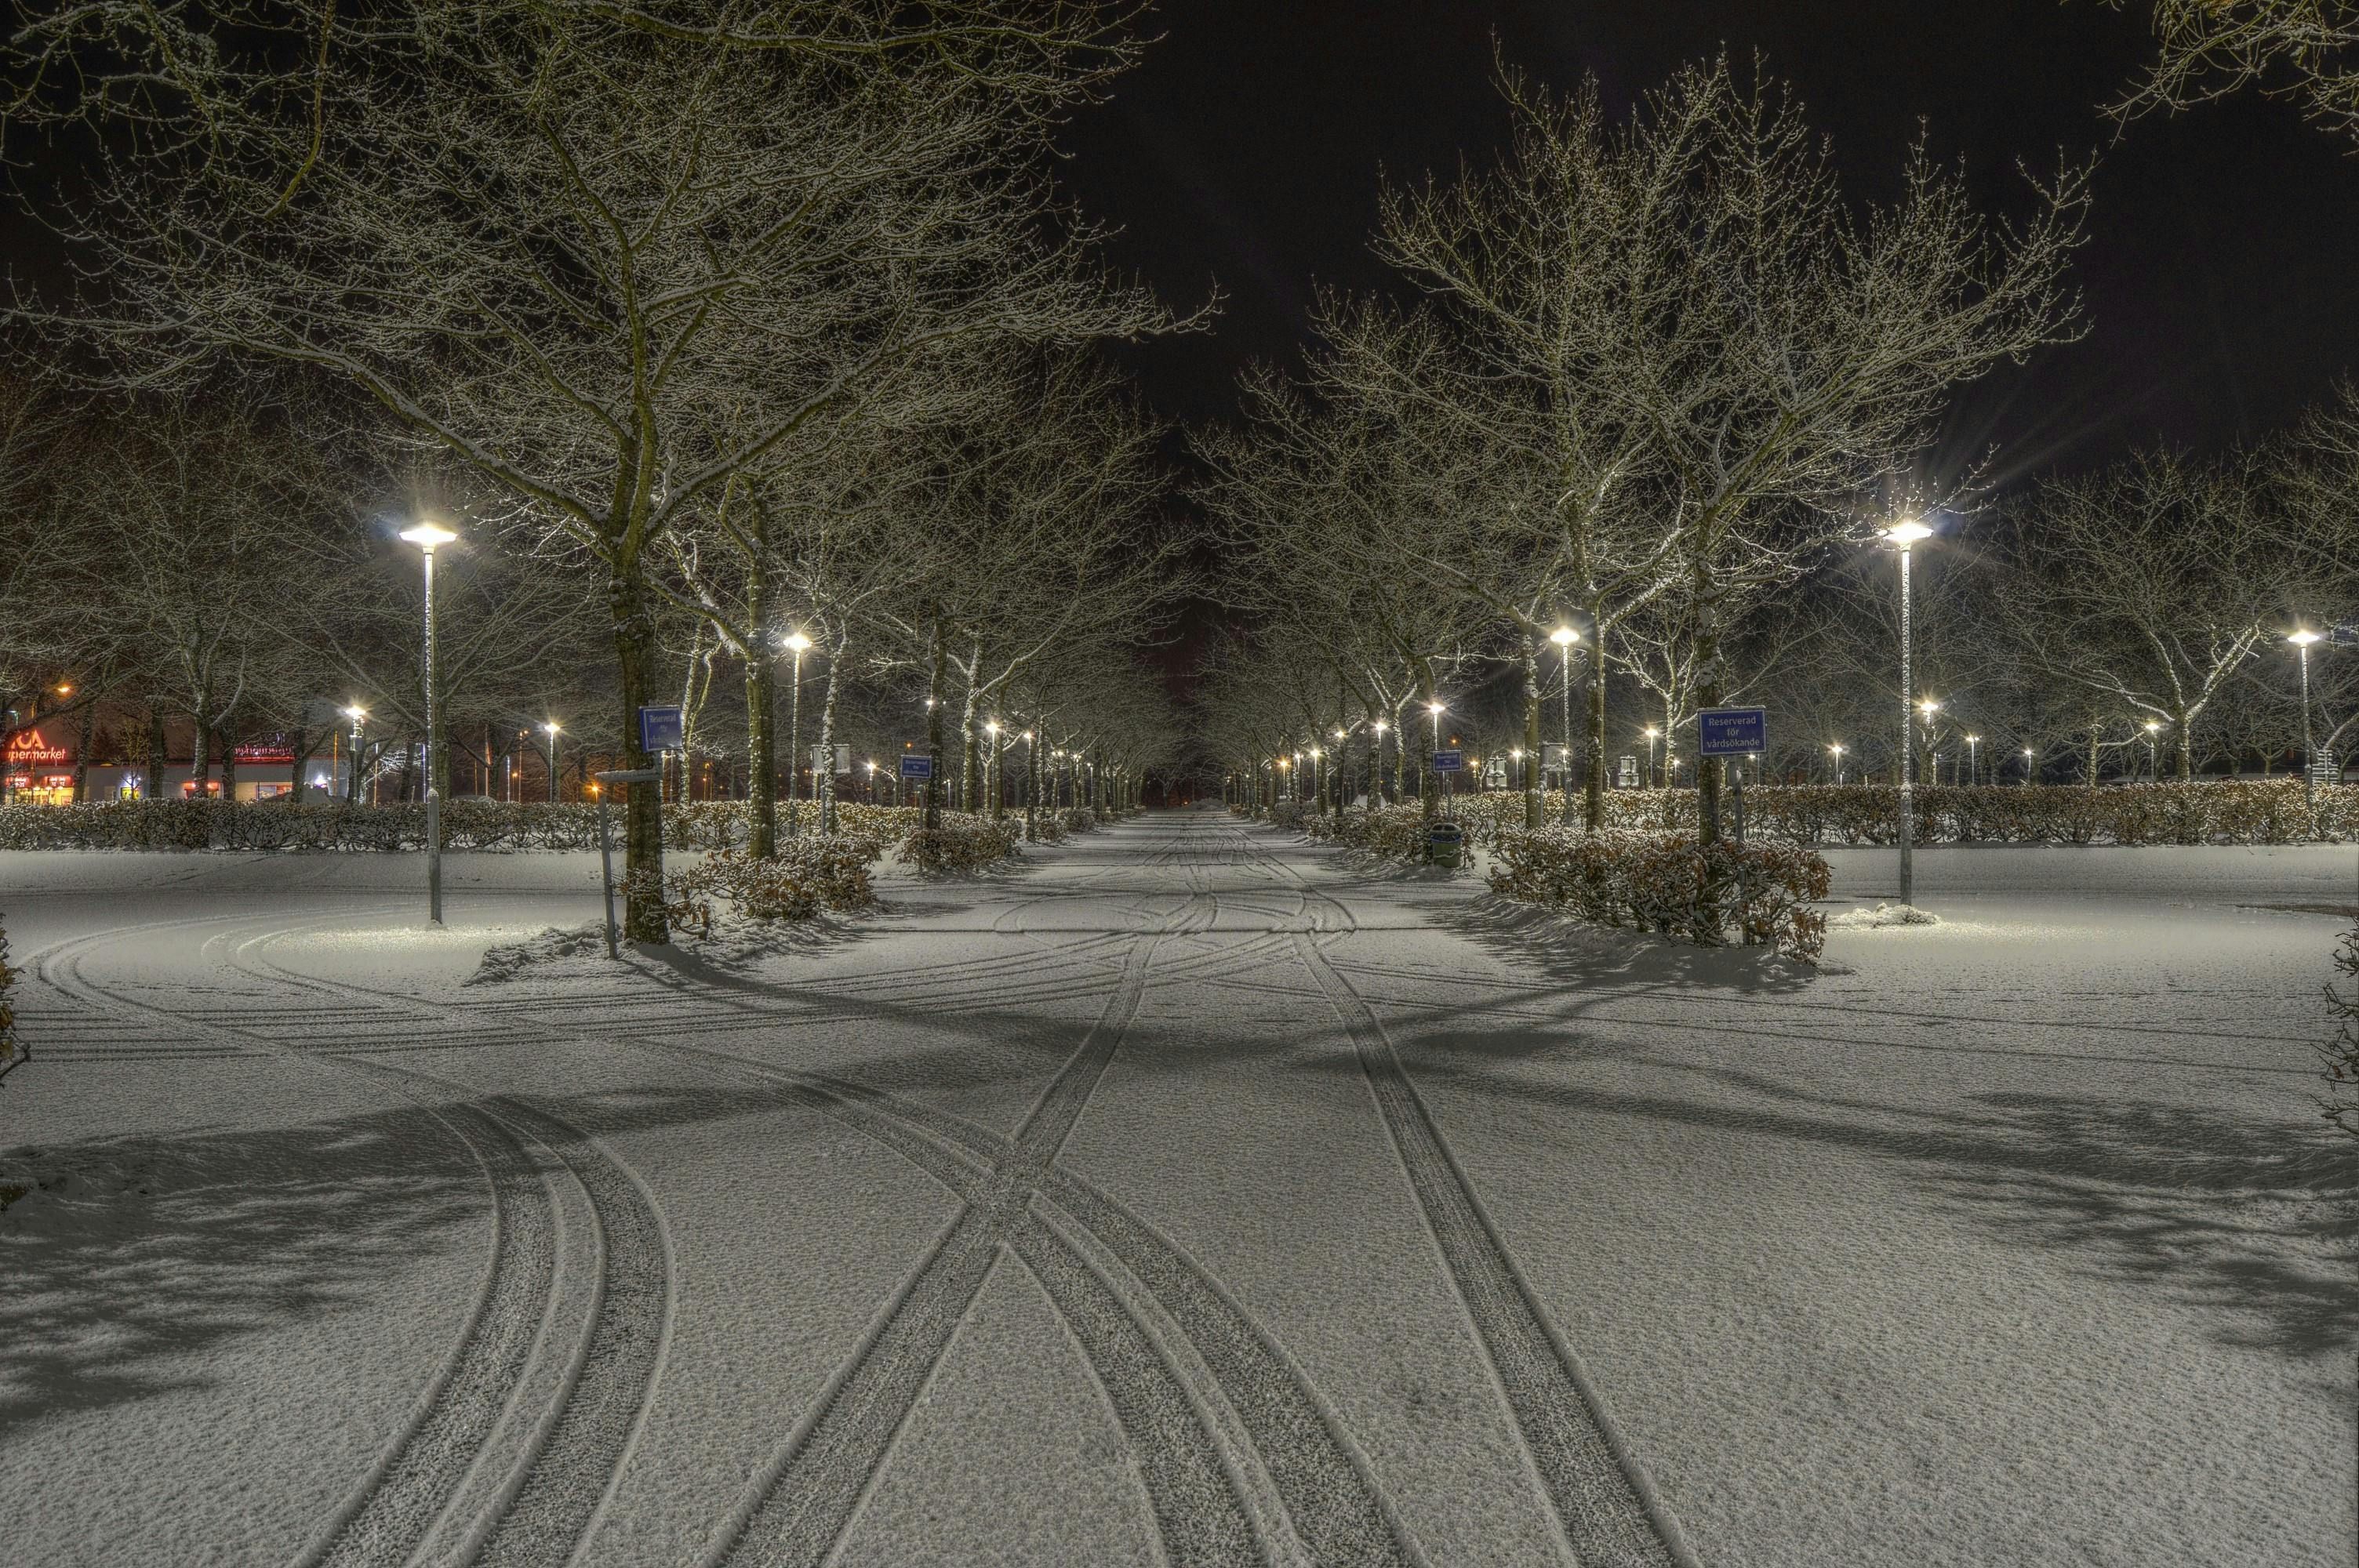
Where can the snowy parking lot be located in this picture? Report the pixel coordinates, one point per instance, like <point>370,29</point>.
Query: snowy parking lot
<point>1186,1194</point>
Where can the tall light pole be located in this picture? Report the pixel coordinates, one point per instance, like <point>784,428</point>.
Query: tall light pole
<point>1651,775</point>
<point>2029,767</point>
<point>796,643</point>
<point>1902,536</point>
<point>2153,768</point>
<point>550,729</point>
<point>1564,637</point>
<point>991,786</point>
<point>1974,763</point>
<point>359,716</point>
<point>2302,639</point>
<point>1835,752</point>
<point>427,537</point>
<point>1434,710</point>
<point>1376,767</point>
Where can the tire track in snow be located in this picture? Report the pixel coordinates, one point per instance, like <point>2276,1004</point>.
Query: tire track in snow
<point>1606,1508</point>
<point>1324,1487</point>
<point>552,1504</point>
<point>816,1487</point>
<point>419,1473</point>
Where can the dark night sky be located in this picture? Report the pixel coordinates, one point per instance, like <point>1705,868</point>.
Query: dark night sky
<point>2218,279</point>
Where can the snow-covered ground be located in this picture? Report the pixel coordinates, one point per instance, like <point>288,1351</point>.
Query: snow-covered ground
<point>1188,1195</point>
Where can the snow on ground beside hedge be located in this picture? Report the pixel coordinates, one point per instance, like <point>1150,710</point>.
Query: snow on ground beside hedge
<point>2017,1243</point>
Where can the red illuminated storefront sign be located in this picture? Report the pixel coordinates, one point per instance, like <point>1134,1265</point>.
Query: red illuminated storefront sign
<point>27,749</point>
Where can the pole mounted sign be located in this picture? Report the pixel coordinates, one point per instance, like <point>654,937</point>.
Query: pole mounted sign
<point>1732,732</point>
<point>659,728</point>
<point>1449,762</point>
<point>916,767</point>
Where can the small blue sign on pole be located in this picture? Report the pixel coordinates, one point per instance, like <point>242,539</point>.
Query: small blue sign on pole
<point>659,728</point>
<point>916,767</point>
<point>1449,762</point>
<point>1732,732</point>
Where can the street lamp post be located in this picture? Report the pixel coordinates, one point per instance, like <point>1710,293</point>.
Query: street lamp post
<point>1902,536</point>
<point>550,729</point>
<point>425,536</point>
<point>2153,767</point>
<point>1652,777</point>
<point>1564,637</point>
<point>359,716</point>
<point>1434,710</point>
<point>2029,767</point>
<point>1376,767</point>
<point>796,643</point>
<point>1836,752</point>
<point>2302,639</point>
<point>1974,763</point>
<point>992,786</point>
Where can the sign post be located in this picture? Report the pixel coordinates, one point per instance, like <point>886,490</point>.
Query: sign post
<point>607,782</point>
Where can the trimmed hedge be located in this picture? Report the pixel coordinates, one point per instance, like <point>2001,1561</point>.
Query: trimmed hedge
<point>808,874</point>
<point>1666,883</point>
<point>961,846</point>
<point>2227,811</point>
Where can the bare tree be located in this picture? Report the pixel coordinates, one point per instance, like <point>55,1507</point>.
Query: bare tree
<point>537,236</point>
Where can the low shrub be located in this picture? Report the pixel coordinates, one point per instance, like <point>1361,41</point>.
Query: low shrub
<point>1290,815</point>
<point>1667,883</point>
<point>961,846</point>
<point>1079,819</point>
<point>807,875</point>
<point>1045,828</point>
<point>1388,832</point>
<point>2216,811</point>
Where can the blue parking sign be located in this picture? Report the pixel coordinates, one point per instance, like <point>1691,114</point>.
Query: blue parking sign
<point>659,728</point>
<point>916,767</point>
<point>1732,732</point>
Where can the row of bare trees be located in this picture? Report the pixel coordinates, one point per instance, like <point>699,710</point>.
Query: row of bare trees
<point>1642,375</point>
<point>751,311</point>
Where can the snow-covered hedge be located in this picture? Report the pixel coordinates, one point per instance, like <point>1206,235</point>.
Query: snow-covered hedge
<point>2226,811</point>
<point>1666,883</point>
<point>1078,820</point>
<point>808,874</point>
<point>961,845</point>
<point>466,825</point>
<point>1390,832</point>
<point>1290,815</point>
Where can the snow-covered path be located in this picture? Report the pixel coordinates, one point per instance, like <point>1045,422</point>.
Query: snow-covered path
<point>1184,1196</point>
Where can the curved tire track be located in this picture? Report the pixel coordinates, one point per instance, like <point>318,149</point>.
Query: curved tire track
<point>1607,1507</point>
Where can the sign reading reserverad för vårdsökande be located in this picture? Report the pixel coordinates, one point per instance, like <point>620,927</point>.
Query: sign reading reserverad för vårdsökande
<point>1732,732</point>
<point>1449,762</point>
<point>659,728</point>
<point>916,767</point>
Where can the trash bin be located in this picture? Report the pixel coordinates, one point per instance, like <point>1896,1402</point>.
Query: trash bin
<point>1444,842</point>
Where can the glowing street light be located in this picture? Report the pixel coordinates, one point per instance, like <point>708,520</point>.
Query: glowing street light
<point>1901,536</point>
<point>428,537</point>
<point>550,728</point>
<point>1973,767</point>
<point>2153,772</point>
<point>2302,638</point>
<point>798,645</point>
<point>1836,751</point>
<point>1653,735</point>
<point>1564,637</point>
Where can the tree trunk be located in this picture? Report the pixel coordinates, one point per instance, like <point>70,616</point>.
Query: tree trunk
<point>824,777</point>
<point>970,756</point>
<point>761,752</point>
<point>81,755</point>
<point>1592,781</point>
<point>1535,803</point>
<point>1710,770</point>
<point>298,751</point>
<point>201,756</point>
<point>156,757</point>
<point>938,669</point>
<point>634,655</point>
<point>228,750</point>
